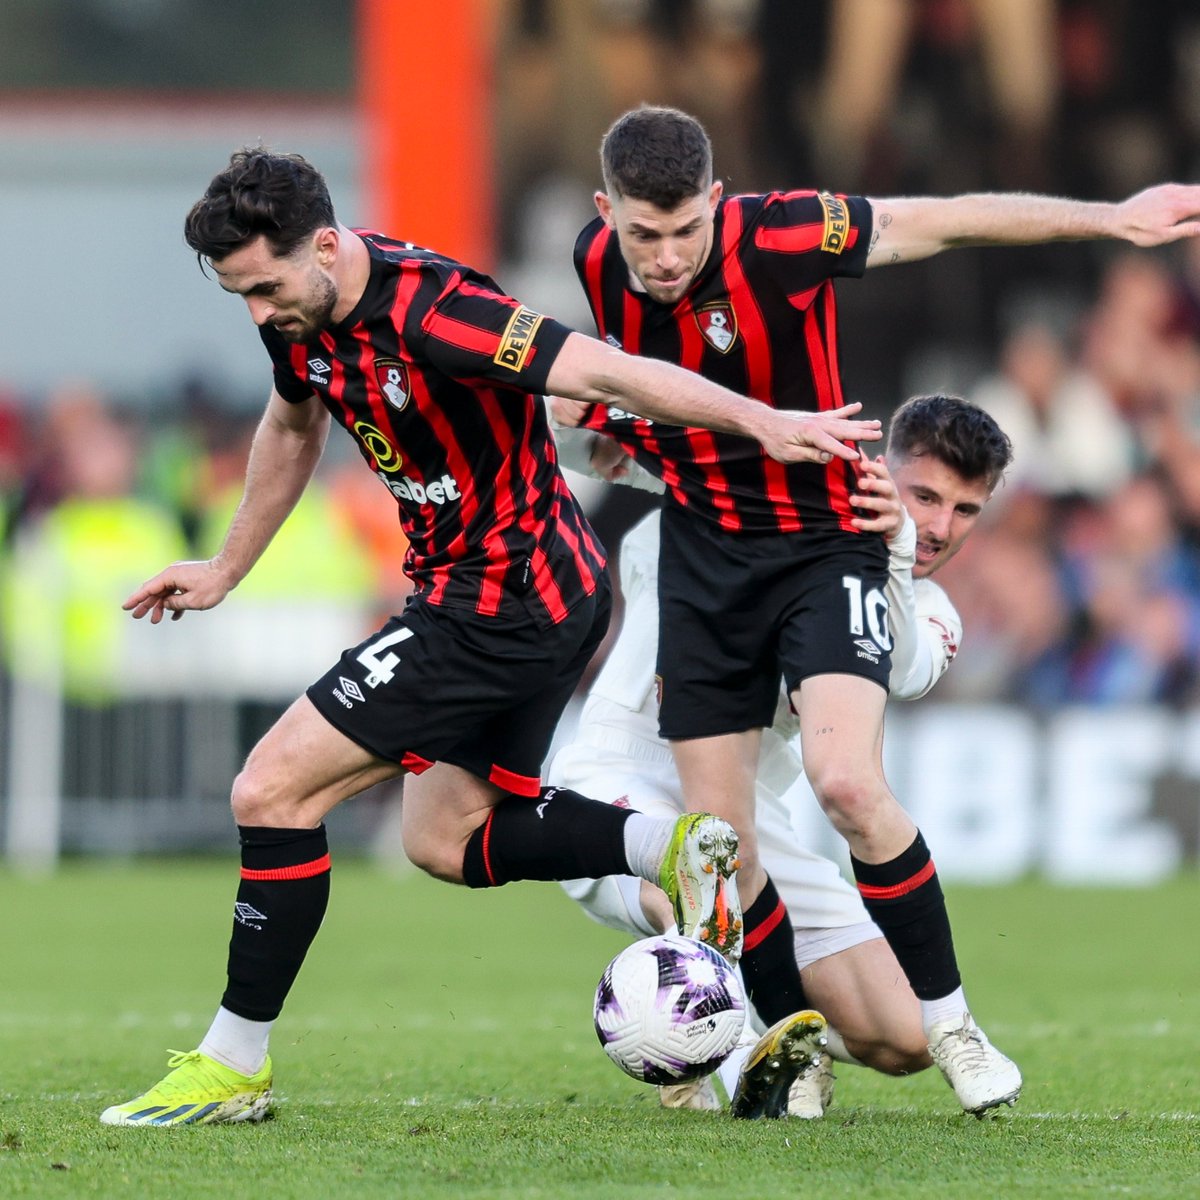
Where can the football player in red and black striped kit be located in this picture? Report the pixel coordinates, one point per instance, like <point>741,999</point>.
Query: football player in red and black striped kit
<point>435,374</point>
<point>763,570</point>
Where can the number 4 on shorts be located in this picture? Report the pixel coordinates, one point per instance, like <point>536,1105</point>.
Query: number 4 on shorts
<point>382,670</point>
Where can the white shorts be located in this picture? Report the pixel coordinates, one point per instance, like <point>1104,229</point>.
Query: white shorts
<point>609,762</point>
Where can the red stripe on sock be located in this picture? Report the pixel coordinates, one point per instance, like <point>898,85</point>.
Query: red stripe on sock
<point>487,848</point>
<point>300,871</point>
<point>519,785</point>
<point>761,932</point>
<point>910,884</point>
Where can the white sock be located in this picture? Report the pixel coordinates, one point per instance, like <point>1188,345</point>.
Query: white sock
<point>236,1042</point>
<point>630,887</point>
<point>646,841</point>
<point>948,1008</point>
<point>837,1048</point>
<point>730,1070</point>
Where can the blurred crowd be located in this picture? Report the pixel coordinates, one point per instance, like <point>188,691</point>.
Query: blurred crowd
<point>1082,584</point>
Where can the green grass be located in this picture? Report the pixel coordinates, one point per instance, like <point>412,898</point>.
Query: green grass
<point>439,1043</point>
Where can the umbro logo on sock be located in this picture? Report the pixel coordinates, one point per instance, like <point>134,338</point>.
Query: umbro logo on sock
<point>247,914</point>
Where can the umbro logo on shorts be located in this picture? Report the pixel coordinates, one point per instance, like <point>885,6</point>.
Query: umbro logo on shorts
<point>867,649</point>
<point>348,692</point>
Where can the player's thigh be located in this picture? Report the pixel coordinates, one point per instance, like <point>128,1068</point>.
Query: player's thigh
<point>841,728</point>
<point>301,769</point>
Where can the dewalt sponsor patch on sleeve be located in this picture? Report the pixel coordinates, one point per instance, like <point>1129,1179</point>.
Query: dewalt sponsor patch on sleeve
<point>837,222</point>
<point>517,339</point>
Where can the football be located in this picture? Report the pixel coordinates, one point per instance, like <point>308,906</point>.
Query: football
<point>669,1009</point>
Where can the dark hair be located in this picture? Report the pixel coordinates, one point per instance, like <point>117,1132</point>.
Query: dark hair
<point>282,197</point>
<point>660,155</point>
<point>955,432</point>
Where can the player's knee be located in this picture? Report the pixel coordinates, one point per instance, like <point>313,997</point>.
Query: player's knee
<point>850,798</point>
<point>257,800</point>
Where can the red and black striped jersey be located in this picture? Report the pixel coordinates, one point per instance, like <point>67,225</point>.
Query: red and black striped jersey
<point>760,318</point>
<point>436,375</point>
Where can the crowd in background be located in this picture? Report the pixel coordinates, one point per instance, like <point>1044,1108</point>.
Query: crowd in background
<point>1083,582</point>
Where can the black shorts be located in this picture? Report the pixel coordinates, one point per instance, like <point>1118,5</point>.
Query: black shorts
<point>483,693</point>
<point>738,612</point>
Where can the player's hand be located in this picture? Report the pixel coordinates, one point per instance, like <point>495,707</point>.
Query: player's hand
<point>608,459</point>
<point>878,497</point>
<point>789,436</point>
<point>1160,214</point>
<point>182,586</point>
<point>567,413</point>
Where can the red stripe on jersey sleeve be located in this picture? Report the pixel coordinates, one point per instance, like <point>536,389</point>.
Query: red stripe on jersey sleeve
<point>460,334</point>
<point>298,357</point>
<point>790,239</point>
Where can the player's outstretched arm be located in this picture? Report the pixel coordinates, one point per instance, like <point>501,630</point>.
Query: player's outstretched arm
<point>910,228</point>
<point>590,371</point>
<point>287,447</point>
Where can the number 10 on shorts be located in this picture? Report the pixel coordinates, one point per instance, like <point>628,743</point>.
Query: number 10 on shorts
<point>868,614</point>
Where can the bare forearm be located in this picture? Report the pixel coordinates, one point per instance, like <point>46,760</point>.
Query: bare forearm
<point>661,391</point>
<point>589,371</point>
<point>282,460</point>
<point>911,228</point>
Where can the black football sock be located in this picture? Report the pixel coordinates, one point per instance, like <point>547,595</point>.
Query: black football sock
<point>904,898</point>
<point>281,902</point>
<point>557,834</point>
<point>769,968</point>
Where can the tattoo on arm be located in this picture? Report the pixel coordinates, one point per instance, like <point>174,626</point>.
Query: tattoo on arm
<point>883,220</point>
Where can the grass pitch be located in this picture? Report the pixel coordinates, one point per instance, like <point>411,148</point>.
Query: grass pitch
<point>439,1044</point>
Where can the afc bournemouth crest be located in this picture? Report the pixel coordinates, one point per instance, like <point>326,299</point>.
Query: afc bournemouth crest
<point>392,376</point>
<point>718,324</point>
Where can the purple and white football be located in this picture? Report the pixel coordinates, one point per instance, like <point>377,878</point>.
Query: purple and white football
<point>669,1009</point>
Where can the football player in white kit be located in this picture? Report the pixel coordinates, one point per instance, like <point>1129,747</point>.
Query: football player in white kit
<point>945,458</point>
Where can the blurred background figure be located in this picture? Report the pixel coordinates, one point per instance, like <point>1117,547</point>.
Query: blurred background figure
<point>1067,434</point>
<point>79,543</point>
